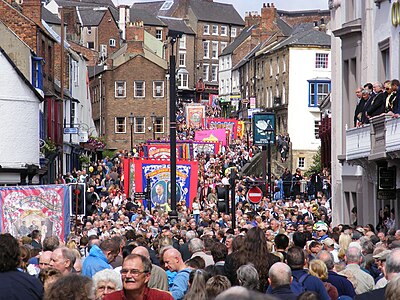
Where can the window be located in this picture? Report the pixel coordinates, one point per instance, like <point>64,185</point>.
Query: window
<point>159,34</point>
<point>283,93</point>
<point>277,65</point>
<point>139,89</point>
<point>73,113</point>
<point>37,76</point>
<point>215,29</point>
<point>120,125</point>
<point>206,47</point>
<point>75,72</point>
<point>223,45</point>
<point>182,42</point>
<point>214,49</point>
<point>301,162</point>
<point>89,30</point>
<point>159,125</point>
<point>214,73</point>
<point>90,45</point>
<point>228,62</point>
<point>158,89</point>
<point>270,67</point>
<point>182,59</point>
<point>222,64</point>
<point>317,124</point>
<point>139,125</point>
<point>222,88</point>
<point>318,90</point>
<point>206,29</point>
<point>103,50</point>
<point>120,89</point>
<point>284,63</point>
<point>183,80</point>
<point>167,5</point>
<point>224,30</point>
<point>206,70</point>
<point>112,43</point>
<point>321,60</point>
<point>233,32</point>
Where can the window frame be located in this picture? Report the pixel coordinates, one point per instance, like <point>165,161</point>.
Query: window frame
<point>301,162</point>
<point>135,89</point>
<point>233,32</point>
<point>182,42</point>
<point>112,43</point>
<point>225,29</point>
<point>206,29</point>
<point>206,55</point>
<point>160,37</point>
<point>37,72</point>
<point>321,63</point>
<point>314,96</point>
<point>117,124</point>
<point>184,59</point>
<point>214,46</point>
<point>160,125</point>
<point>135,124</point>
<point>180,80</point>
<point>206,67</point>
<point>214,67</point>
<point>116,88</point>
<point>214,27</point>
<point>154,88</point>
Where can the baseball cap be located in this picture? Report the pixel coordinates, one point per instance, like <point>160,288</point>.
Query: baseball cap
<point>328,242</point>
<point>322,226</point>
<point>382,255</point>
<point>356,235</point>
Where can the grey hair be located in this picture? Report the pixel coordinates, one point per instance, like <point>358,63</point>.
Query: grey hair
<point>353,255</point>
<point>248,277</point>
<point>68,254</point>
<point>190,235</point>
<point>393,262</point>
<point>327,258</point>
<point>196,245</point>
<point>107,275</point>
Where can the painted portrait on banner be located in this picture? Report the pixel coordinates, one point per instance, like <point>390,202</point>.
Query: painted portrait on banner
<point>195,115</point>
<point>207,148</point>
<point>44,208</point>
<point>160,183</point>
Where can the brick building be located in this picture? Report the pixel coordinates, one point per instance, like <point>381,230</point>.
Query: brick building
<point>127,101</point>
<point>215,26</point>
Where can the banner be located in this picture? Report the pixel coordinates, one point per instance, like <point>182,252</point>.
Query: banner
<point>207,148</point>
<point>26,208</point>
<point>240,129</point>
<point>219,123</point>
<point>160,183</point>
<point>215,135</point>
<point>195,115</point>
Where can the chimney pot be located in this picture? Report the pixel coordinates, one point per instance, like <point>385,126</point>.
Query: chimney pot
<point>264,5</point>
<point>267,4</point>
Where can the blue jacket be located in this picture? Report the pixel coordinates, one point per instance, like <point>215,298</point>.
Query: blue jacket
<point>343,285</point>
<point>312,283</point>
<point>95,262</point>
<point>180,284</point>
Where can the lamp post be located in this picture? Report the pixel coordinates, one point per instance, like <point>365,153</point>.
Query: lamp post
<point>248,124</point>
<point>131,120</point>
<point>173,35</point>
<point>153,120</point>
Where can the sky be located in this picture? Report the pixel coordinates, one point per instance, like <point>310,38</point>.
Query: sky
<point>255,5</point>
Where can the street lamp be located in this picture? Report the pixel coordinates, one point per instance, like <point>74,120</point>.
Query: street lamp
<point>153,119</point>
<point>131,120</point>
<point>248,128</point>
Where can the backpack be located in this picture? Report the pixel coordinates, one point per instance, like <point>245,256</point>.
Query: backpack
<point>297,285</point>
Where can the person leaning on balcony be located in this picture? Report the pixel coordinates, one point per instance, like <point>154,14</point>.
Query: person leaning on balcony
<point>368,87</point>
<point>360,105</point>
<point>378,102</point>
<point>396,106</point>
<point>390,98</point>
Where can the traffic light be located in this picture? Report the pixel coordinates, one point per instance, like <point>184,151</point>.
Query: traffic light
<point>78,193</point>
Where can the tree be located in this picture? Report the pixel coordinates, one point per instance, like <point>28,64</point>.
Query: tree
<point>316,166</point>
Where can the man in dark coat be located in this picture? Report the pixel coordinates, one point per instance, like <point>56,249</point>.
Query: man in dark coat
<point>279,279</point>
<point>378,102</point>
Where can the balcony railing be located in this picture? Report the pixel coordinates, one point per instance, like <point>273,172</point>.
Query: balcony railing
<point>374,141</point>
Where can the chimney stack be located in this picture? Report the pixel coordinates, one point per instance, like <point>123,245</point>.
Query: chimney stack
<point>252,18</point>
<point>124,19</point>
<point>135,37</point>
<point>268,16</point>
<point>33,10</point>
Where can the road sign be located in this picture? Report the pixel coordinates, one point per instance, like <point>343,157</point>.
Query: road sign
<point>140,195</point>
<point>71,130</point>
<point>254,194</point>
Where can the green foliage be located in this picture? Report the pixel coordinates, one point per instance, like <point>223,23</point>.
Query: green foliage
<point>109,153</point>
<point>316,166</point>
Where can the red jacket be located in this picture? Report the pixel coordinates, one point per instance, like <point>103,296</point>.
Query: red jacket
<point>149,294</point>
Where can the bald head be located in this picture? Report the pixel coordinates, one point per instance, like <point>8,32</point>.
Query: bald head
<point>44,259</point>
<point>141,251</point>
<point>173,260</point>
<point>279,274</point>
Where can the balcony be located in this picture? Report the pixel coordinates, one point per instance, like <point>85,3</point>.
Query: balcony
<point>379,140</point>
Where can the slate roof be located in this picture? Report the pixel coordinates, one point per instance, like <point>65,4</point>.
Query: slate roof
<point>177,25</point>
<point>244,34</point>
<point>247,57</point>
<point>143,15</point>
<point>95,70</point>
<point>91,17</point>
<point>49,17</point>
<point>284,27</point>
<point>96,3</point>
<point>214,12</point>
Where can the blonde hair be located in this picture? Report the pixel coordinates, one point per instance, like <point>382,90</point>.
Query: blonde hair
<point>344,242</point>
<point>318,269</point>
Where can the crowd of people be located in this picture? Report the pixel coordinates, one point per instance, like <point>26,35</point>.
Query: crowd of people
<point>376,99</point>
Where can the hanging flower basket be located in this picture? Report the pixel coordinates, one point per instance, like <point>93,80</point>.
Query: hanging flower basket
<point>96,142</point>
